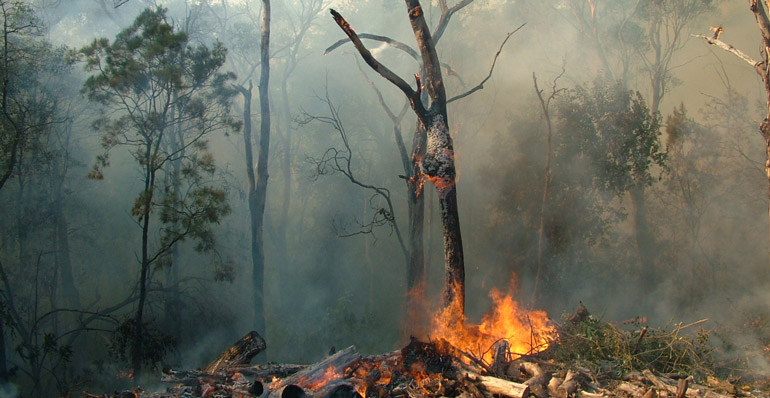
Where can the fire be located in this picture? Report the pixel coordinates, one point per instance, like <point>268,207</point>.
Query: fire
<point>526,331</point>
<point>329,375</point>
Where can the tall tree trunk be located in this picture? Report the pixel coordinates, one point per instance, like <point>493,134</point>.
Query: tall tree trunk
<point>282,244</point>
<point>438,167</point>
<point>544,105</point>
<point>260,193</point>
<point>416,282</point>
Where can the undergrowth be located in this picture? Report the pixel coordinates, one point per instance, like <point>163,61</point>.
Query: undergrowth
<point>614,350</point>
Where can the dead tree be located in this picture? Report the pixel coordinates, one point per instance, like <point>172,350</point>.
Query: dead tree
<point>545,104</point>
<point>759,9</point>
<point>438,164</point>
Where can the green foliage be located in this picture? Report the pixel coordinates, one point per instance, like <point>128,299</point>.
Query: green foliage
<point>162,96</point>
<point>614,349</point>
<point>614,129</point>
<point>155,343</point>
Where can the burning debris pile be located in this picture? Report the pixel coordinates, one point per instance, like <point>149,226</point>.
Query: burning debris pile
<point>611,363</point>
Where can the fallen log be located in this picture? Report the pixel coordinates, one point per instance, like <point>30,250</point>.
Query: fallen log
<point>289,391</point>
<point>337,389</point>
<point>631,389</point>
<point>239,353</point>
<point>270,370</point>
<point>568,387</point>
<point>496,385</point>
<point>538,379</point>
<point>316,376</point>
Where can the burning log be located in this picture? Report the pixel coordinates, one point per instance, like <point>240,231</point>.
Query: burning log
<point>337,389</point>
<point>501,358</point>
<point>289,391</point>
<point>239,353</point>
<point>316,376</point>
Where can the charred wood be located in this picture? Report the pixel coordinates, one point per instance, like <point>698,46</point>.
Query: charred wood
<point>239,353</point>
<point>315,376</point>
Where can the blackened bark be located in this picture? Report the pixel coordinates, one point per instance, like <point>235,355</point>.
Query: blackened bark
<point>416,208</point>
<point>438,167</point>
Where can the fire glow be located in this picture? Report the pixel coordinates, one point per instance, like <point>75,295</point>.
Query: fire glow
<point>526,331</point>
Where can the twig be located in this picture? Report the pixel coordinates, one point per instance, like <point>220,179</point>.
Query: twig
<point>491,69</point>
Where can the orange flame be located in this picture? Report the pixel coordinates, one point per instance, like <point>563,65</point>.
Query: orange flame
<point>329,375</point>
<point>525,331</point>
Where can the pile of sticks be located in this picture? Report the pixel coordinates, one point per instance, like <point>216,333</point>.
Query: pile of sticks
<point>420,369</point>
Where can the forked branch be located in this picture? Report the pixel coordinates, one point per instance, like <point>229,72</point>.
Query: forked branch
<point>384,71</point>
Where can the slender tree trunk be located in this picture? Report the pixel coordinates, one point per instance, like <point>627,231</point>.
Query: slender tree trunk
<point>765,130</point>
<point>282,244</point>
<point>644,239</point>
<point>138,350</point>
<point>260,193</point>
<point>3,357</point>
<point>543,210</point>
<point>63,260</point>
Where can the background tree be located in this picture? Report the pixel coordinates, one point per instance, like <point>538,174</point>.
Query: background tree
<point>150,82</point>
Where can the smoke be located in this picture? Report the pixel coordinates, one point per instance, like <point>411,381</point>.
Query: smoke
<point>326,290</point>
<point>8,390</point>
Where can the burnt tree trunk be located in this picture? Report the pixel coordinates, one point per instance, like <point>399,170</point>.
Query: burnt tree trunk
<point>416,207</point>
<point>438,163</point>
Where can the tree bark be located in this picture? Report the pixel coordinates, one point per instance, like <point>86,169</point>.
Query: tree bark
<point>260,193</point>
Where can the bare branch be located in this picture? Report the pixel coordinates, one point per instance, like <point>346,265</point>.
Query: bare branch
<point>388,74</point>
<point>729,48</point>
<point>387,40</point>
<point>491,69</point>
<point>446,16</point>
